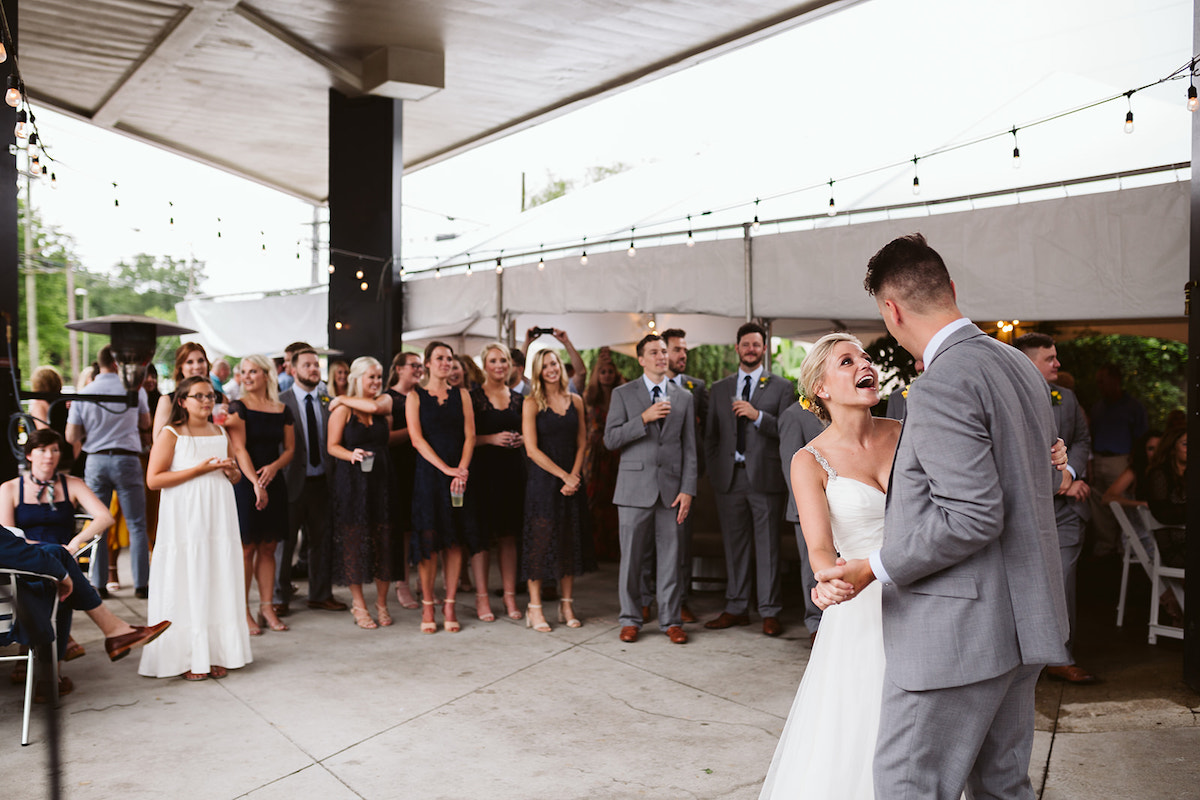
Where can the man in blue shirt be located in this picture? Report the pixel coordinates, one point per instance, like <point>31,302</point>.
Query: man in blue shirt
<point>1118,421</point>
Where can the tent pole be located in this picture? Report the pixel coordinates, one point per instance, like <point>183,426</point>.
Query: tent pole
<point>499,306</point>
<point>747,268</point>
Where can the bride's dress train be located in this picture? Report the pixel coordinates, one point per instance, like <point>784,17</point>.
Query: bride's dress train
<point>828,742</point>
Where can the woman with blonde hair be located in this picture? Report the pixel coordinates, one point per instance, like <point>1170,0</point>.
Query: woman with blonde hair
<point>339,378</point>
<point>499,478</point>
<point>556,542</point>
<point>359,425</point>
<point>262,432</point>
<point>190,361</point>
<point>441,423</point>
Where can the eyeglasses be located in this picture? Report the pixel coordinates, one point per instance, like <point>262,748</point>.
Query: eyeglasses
<point>203,398</point>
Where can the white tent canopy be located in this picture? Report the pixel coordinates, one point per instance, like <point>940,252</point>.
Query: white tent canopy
<point>1111,256</point>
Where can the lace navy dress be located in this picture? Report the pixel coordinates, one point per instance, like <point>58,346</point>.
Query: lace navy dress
<point>52,523</point>
<point>264,442</point>
<point>404,465</point>
<point>436,523</point>
<point>358,502</point>
<point>498,473</point>
<point>557,538</point>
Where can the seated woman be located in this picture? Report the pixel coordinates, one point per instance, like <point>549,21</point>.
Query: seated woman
<point>44,508</point>
<point>1166,494</point>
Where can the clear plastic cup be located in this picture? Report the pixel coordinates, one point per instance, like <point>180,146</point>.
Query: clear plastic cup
<point>220,413</point>
<point>456,499</point>
<point>368,462</point>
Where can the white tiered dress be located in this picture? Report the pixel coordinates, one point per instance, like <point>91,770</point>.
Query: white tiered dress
<point>196,575</point>
<point>828,741</point>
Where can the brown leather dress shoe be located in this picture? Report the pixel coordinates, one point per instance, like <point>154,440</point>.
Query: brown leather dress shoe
<point>118,647</point>
<point>677,635</point>
<point>1071,673</point>
<point>686,615</point>
<point>629,634</point>
<point>771,626</point>
<point>645,614</point>
<point>327,605</point>
<point>727,620</point>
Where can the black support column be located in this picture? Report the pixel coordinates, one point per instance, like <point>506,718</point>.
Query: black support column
<point>1191,618</point>
<point>365,168</point>
<point>9,262</point>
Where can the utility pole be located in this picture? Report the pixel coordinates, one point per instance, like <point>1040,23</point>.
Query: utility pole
<point>72,336</point>
<point>31,326</point>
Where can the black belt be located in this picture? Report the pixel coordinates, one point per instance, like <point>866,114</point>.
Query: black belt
<point>741,464</point>
<point>314,477</point>
<point>114,451</point>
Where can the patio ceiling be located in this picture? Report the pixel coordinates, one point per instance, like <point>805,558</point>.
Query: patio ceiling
<point>244,86</point>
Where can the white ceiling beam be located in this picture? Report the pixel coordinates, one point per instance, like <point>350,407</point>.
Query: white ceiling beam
<point>178,37</point>
<point>346,73</point>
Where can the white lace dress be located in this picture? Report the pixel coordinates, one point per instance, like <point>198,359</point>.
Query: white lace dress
<point>828,742</point>
<point>196,576</point>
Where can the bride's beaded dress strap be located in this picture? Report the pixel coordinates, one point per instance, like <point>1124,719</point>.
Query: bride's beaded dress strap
<point>821,460</point>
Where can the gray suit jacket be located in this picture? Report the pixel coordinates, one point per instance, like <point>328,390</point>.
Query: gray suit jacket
<point>970,541</point>
<point>297,468</point>
<point>654,464</point>
<point>762,443</point>
<point>700,405</point>
<point>797,427</point>
<point>1072,428</point>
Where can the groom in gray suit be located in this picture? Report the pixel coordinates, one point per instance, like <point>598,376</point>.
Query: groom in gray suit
<point>652,423</point>
<point>973,603</point>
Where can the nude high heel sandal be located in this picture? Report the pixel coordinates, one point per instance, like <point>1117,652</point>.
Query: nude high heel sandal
<point>566,613</point>
<point>428,627</point>
<point>541,627</point>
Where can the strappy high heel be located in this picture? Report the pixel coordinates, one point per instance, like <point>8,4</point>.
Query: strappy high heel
<point>385,619</point>
<point>570,620</point>
<point>451,625</point>
<point>362,618</point>
<point>513,611</point>
<point>487,616</point>
<point>277,625</point>
<point>541,627</point>
<point>428,627</point>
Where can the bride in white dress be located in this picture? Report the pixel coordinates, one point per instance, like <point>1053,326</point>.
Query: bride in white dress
<point>840,480</point>
<point>196,576</point>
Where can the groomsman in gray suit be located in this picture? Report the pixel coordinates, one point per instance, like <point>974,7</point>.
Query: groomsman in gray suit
<point>1071,508</point>
<point>741,441</point>
<point>677,356</point>
<point>652,423</point>
<point>973,603</point>
<point>308,490</point>
<point>797,427</point>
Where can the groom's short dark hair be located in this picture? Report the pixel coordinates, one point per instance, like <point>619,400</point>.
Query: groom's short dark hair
<point>647,339</point>
<point>909,269</point>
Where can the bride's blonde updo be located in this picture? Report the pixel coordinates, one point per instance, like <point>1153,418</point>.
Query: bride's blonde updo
<point>812,371</point>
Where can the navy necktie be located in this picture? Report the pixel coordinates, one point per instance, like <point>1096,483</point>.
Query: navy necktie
<point>742,421</point>
<point>314,445</point>
<point>655,393</point>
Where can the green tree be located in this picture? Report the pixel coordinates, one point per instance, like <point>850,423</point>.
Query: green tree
<point>49,252</point>
<point>557,187</point>
<point>1154,370</point>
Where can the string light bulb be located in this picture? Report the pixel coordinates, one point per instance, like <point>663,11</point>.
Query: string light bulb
<point>632,250</point>
<point>53,181</point>
<point>499,266</point>
<point>12,95</point>
<point>1016,150</point>
<point>359,274</point>
<point>21,129</point>
<point>437,273</point>
<point>541,259</point>
<point>756,224</point>
<point>583,258</point>
<point>363,286</point>
<point>1193,102</point>
<point>916,177</point>
<point>33,143</point>
<point>691,240</point>
<point>1129,114</point>
<point>832,206</point>
<point>469,266</point>
<point>338,324</point>
<point>3,53</point>
<point>330,268</point>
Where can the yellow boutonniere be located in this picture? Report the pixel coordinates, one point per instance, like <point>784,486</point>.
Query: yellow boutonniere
<point>691,385</point>
<point>324,400</point>
<point>1055,397</point>
<point>763,380</point>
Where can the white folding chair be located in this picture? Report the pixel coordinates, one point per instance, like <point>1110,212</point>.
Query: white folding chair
<point>1135,549</point>
<point>9,593</point>
<point>1161,579</point>
<point>86,556</point>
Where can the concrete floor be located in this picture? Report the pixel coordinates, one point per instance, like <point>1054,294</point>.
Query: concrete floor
<point>497,711</point>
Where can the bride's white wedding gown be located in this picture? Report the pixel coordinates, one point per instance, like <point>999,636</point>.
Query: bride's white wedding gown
<point>828,742</point>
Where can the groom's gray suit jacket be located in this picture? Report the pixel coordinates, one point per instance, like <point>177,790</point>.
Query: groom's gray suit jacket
<point>969,540</point>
